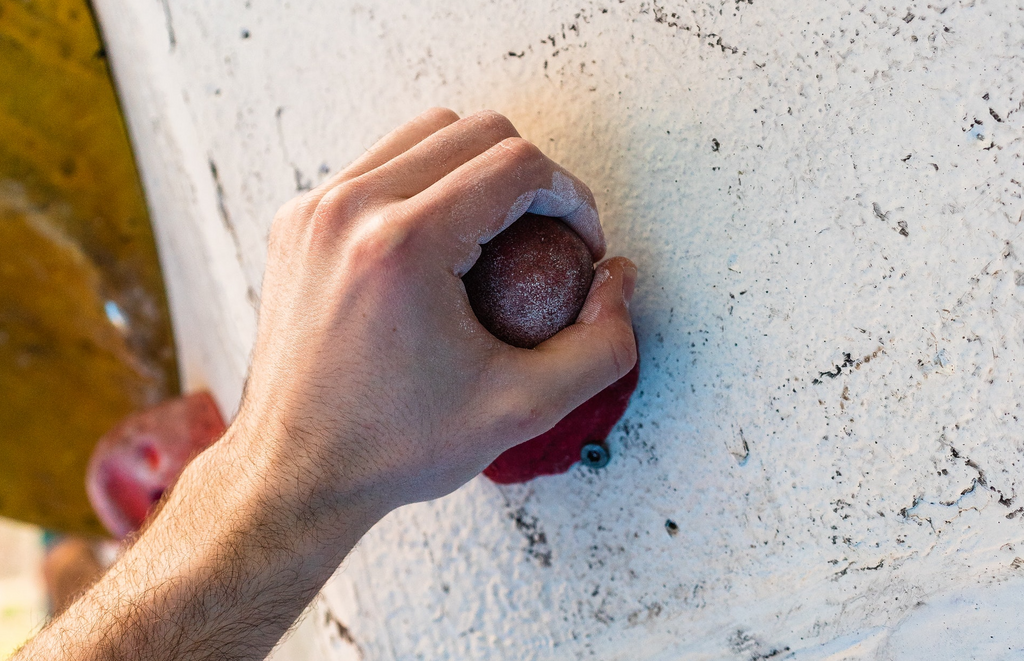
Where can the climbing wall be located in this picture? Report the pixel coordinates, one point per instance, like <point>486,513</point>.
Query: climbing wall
<point>824,456</point>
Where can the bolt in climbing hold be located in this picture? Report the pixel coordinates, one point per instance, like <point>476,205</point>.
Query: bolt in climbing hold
<point>595,455</point>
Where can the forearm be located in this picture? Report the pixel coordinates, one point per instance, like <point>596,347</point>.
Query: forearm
<point>222,572</point>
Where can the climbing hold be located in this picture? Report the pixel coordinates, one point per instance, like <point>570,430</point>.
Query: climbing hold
<point>556,450</point>
<point>530,281</point>
<point>136,461</point>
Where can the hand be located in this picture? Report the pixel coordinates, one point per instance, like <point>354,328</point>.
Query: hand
<point>371,378</point>
<point>372,385</point>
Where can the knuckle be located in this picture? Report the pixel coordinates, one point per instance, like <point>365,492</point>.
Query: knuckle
<point>519,152</point>
<point>584,190</point>
<point>440,114</point>
<point>383,240</point>
<point>523,413</point>
<point>622,350</point>
<point>284,219</point>
<point>306,203</point>
<point>535,399</point>
<point>346,200</point>
<point>289,219</point>
<point>495,125</point>
<point>287,210</point>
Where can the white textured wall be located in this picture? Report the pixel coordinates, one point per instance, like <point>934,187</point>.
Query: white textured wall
<point>825,203</point>
<point>22,590</point>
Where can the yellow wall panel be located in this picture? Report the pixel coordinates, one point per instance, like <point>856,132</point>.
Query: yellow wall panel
<point>84,333</point>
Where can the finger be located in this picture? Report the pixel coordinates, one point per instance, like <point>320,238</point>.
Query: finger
<point>473,204</point>
<point>445,150</point>
<point>399,141</point>
<point>390,146</point>
<point>584,358</point>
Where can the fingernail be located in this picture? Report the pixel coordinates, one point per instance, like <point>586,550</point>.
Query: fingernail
<point>628,282</point>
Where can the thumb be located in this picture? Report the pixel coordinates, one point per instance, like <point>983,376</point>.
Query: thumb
<point>581,360</point>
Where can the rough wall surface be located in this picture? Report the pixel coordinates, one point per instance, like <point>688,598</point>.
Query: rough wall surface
<point>823,459</point>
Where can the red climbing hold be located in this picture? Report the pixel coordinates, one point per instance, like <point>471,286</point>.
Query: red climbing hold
<point>143,455</point>
<point>556,450</point>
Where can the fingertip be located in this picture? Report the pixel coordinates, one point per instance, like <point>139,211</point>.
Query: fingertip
<point>629,275</point>
<point>592,306</point>
<point>605,316</point>
<point>611,291</point>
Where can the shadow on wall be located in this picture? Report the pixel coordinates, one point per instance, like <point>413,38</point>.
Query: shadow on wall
<point>627,166</point>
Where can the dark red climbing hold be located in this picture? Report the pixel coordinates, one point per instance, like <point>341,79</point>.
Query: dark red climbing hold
<point>556,450</point>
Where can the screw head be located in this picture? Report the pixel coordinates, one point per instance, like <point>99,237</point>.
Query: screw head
<point>595,455</point>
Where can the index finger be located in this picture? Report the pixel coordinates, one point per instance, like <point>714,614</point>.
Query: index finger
<point>477,201</point>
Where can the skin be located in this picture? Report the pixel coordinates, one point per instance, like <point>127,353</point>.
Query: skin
<point>371,386</point>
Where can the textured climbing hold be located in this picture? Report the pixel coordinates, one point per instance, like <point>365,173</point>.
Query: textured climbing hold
<point>530,281</point>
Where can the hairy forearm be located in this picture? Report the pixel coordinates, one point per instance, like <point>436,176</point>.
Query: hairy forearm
<point>222,571</point>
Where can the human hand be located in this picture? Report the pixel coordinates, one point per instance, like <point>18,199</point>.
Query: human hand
<point>372,382</point>
<point>372,385</point>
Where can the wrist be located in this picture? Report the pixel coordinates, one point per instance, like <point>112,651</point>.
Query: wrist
<point>237,545</point>
<point>291,484</point>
